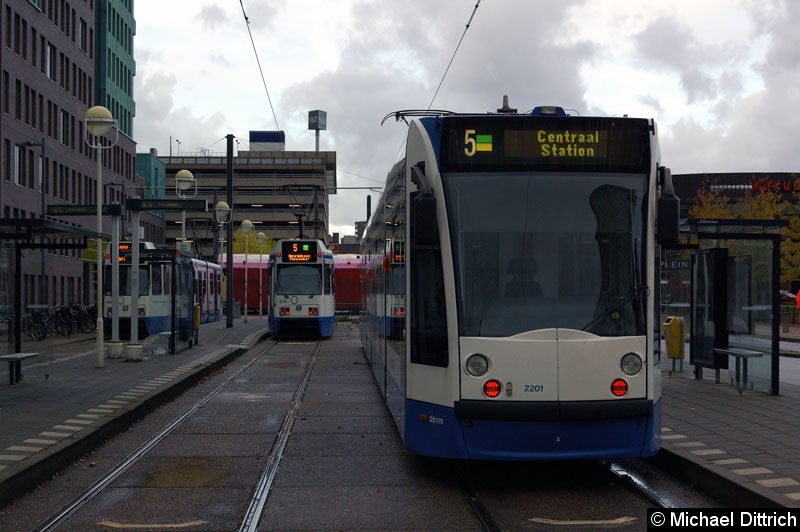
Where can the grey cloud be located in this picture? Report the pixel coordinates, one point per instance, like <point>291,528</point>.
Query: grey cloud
<point>158,120</point>
<point>669,43</point>
<point>211,17</point>
<point>393,62</point>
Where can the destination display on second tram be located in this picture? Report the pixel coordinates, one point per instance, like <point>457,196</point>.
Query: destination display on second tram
<point>299,251</point>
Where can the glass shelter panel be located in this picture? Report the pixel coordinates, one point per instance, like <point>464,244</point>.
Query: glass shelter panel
<point>750,308</point>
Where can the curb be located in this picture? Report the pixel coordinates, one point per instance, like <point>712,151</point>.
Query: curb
<point>60,456</point>
<point>713,480</point>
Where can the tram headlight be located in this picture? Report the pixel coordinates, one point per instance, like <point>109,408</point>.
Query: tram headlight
<point>477,365</point>
<point>631,364</point>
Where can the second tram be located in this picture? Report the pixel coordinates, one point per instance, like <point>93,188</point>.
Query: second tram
<point>531,286</point>
<point>301,292</point>
<point>170,285</point>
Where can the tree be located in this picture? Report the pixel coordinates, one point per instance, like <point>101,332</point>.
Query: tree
<point>711,203</point>
<point>248,241</point>
<point>764,204</point>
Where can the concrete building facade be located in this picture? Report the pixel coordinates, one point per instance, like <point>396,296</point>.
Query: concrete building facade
<point>54,58</point>
<point>279,191</point>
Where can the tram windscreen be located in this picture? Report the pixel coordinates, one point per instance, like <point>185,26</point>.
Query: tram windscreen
<point>125,276</point>
<point>547,250</point>
<point>396,280</point>
<point>295,279</point>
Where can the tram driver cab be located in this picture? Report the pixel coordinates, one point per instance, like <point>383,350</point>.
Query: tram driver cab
<point>523,282</point>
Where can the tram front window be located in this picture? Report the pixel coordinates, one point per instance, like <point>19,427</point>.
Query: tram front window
<point>537,251</point>
<point>125,274</point>
<point>302,280</point>
<point>396,281</point>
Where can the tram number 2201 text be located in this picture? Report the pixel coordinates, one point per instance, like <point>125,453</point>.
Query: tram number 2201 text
<point>534,388</point>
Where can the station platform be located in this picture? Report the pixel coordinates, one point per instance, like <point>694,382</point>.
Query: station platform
<point>740,449</point>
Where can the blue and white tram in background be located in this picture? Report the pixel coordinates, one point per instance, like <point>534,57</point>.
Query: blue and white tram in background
<point>386,303</point>
<point>531,246</point>
<point>170,284</point>
<point>301,291</point>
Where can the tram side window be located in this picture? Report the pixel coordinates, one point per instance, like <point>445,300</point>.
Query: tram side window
<point>327,277</point>
<point>427,300</point>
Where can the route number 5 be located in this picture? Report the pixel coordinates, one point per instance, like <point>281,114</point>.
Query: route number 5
<point>470,144</point>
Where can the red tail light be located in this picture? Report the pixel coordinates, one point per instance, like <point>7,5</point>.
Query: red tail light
<point>619,387</point>
<point>491,388</point>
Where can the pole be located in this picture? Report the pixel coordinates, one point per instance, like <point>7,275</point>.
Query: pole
<point>99,199</point>
<point>260,292</point>
<point>246,256</point>
<point>135,279</point>
<point>43,186</point>
<point>115,279</point>
<point>229,267</point>
<point>221,252</point>
<point>316,215</point>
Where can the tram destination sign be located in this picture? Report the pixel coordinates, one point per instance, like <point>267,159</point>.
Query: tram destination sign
<point>111,209</point>
<point>299,251</point>
<point>480,143</point>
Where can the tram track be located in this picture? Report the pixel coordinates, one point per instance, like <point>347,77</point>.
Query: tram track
<point>262,488</point>
<point>501,496</point>
<point>259,498</point>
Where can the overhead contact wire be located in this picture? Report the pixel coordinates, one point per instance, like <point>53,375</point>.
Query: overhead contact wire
<point>258,62</point>
<point>474,10</point>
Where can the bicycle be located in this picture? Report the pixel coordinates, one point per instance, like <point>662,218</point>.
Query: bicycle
<point>81,318</point>
<point>58,320</point>
<point>30,327</point>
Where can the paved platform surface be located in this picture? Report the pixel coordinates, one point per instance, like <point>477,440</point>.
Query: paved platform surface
<point>743,449</point>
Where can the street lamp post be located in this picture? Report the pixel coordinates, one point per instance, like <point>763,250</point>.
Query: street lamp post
<point>98,123</point>
<point>247,227</point>
<point>222,212</point>
<point>261,238</point>
<point>43,299</point>
<point>185,188</point>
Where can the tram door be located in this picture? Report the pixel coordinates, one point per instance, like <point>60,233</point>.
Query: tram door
<point>709,313</point>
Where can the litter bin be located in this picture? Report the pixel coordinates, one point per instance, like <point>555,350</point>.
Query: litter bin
<point>675,338</point>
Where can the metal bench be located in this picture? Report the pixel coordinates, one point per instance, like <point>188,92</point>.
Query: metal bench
<point>741,355</point>
<point>15,365</point>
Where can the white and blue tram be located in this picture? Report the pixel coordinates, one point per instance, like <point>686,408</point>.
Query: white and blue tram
<point>301,289</point>
<point>170,284</point>
<point>531,286</point>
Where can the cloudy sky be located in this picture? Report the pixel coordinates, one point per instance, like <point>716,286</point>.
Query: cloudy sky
<point>721,77</point>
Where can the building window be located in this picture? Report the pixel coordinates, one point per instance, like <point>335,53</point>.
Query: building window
<point>50,62</point>
<point>6,96</point>
<point>82,34</point>
<point>63,128</point>
<point>18,162</point>
<point>18,100</point>
<point>9,33</point>
<point>7,161</point>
